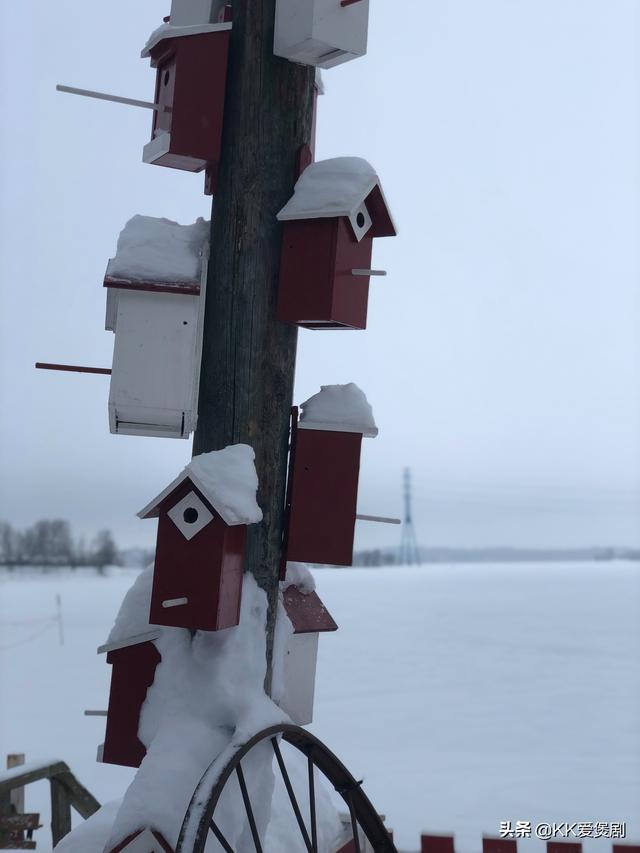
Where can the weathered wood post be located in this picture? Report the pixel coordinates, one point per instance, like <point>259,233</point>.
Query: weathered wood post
<point>248,356</point>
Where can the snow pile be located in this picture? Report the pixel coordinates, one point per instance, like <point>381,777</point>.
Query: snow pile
<point>171,31</point>
<point>339,407</point>
<point>207,699</point>
<point>228,480</point>
<point>152,249</point>
<point>92,834</point>
<point>133,616</point>
<point>329,188</point>
<point>298,575</point>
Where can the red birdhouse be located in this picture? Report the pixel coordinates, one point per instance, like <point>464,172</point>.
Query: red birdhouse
<point>191,63</point>
<point>202,519</point>
<point>143,841</point>
<point>134,663</point>
<point>337,209</point>
<point>324,472</point>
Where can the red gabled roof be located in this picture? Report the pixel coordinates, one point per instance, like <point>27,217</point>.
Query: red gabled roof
<point>307,613</point>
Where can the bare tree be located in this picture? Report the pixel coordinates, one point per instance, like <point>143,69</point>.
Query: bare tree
<point>104,551</point>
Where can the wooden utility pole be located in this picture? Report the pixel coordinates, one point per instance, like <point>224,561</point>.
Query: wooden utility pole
<point>248,357</point>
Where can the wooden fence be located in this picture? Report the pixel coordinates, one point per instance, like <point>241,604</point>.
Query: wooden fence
<point>66,793</point>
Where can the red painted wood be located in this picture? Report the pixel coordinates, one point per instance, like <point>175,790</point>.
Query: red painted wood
<point>132,674</point>
<point>122,847</point>
<point>72,368</point>
<point>324,493</point>
<point>206,569</point>
<point>180,287</point>
<point>564,847</point>
<point>316,288</point>
<point>436,843</point>
<point>305,158</point>
<point>499,845</point>
<point>626,848</point>
<point>191,79</point>
<point>307,612</point>
<point>381,222</point>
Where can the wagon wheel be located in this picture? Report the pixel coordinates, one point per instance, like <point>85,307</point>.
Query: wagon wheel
<point>200,819</point>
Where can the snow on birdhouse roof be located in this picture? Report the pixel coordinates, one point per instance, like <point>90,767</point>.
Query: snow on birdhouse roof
<point>339,408</point>
<point>338,187</point>
<point>159,250</point>
<point>227,479</point>
<point>306,611</point>
<point>167,31</point>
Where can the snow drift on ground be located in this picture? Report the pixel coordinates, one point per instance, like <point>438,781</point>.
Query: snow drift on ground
<point>151,249</point>
<point>463,695</point>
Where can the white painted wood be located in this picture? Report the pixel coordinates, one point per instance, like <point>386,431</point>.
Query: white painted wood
<point>156,148</point>
<point>175,602</point>
<point>379,518</point>
<point>102,96</point>
<point>360,220</point>
<point>190,502</point>
<point>320,32</point>
<point>156,361</point>
<point>300,677</point>
<point>134,640</point>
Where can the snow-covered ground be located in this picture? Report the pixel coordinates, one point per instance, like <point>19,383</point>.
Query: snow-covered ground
<point>463,695</point>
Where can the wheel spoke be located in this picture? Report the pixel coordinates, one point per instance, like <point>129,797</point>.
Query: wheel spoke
<point>354,824</point>
<point>249,810</point>
<point>312,804</point>
<point>218,834</point>
<point>292,796</point>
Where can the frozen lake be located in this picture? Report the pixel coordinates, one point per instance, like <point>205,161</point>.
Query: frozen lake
<point>463,695</point>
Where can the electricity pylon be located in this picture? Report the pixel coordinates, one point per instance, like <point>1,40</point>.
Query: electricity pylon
<point>409,550</point>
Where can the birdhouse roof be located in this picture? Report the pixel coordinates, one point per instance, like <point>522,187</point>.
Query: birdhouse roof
<point>167,31</point>
<point>339,408</point>
<point>135,640</point>
<point>155,250</point>
<point>338,187</point>
<point>307,613</point>
<point>227,479</point>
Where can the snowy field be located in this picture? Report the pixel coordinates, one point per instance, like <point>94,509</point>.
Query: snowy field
<point>463,695</point>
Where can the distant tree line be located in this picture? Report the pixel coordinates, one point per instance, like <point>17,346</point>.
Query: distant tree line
<point>49,542</point>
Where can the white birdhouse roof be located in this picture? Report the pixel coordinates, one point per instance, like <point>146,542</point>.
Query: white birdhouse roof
<point>339,408</point>
<point>135,640</point>
<point>227,479</point>
<point>160,251</point>
<point>338,187</point>
<point>167,31</point>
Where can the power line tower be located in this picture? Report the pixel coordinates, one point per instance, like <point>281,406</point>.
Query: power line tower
<point>409,550</point>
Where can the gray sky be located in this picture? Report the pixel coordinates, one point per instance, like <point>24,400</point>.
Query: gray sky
<point>502,357</point>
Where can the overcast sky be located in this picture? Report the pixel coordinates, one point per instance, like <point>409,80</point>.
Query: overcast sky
<point>502,357</point>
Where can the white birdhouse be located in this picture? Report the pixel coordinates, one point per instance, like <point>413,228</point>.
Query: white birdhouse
<point>155,306</point>
<point>321,32</point>
<point>309,617</point>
